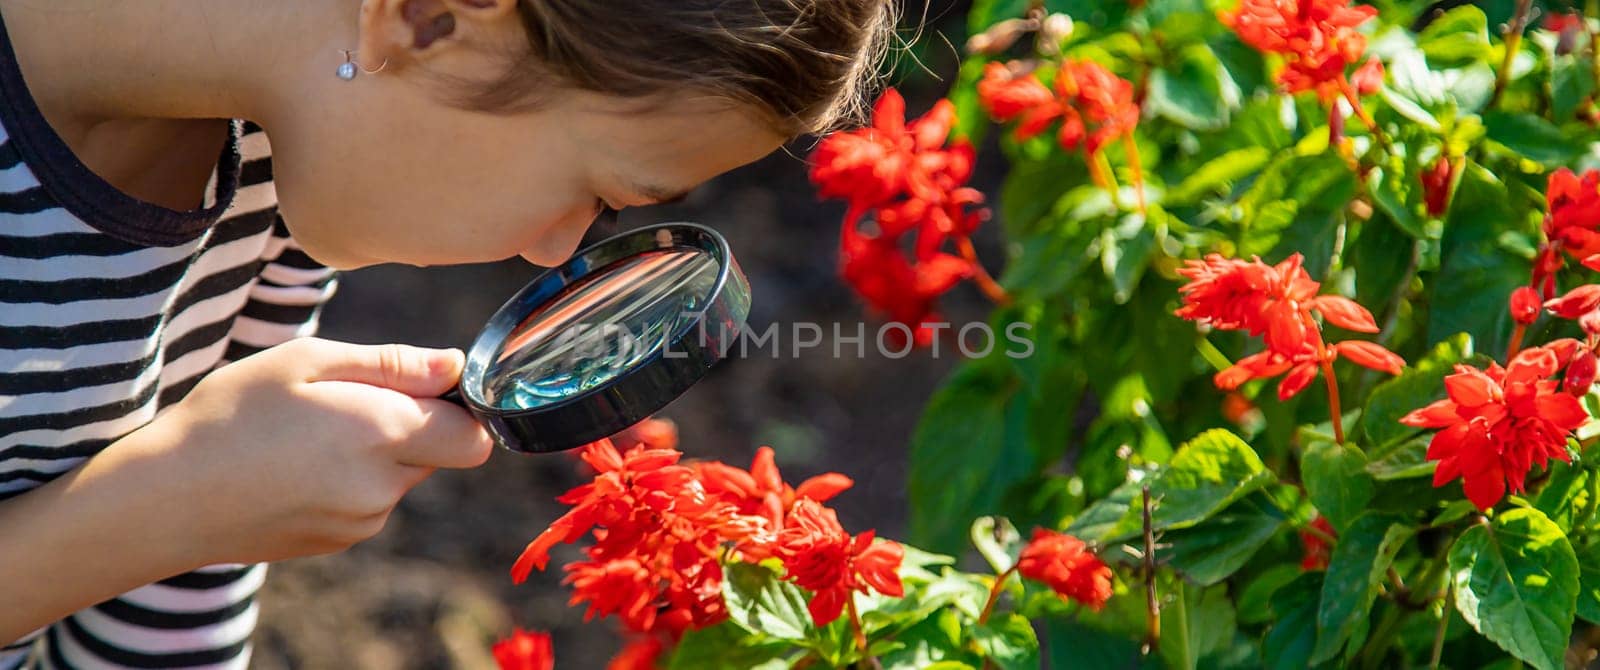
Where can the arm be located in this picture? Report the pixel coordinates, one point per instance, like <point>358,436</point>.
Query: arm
<point>93,533</point>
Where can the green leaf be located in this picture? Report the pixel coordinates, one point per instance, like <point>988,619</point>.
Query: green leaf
<point>1336,481</point>
<point>935,640</point>
<point>726,646</point>
<point>1190,90</point>
<point>1293,634</point>
<point>1421,383</point>
<point>1532,137</point>
<point>1571,83</point>
<point>1359,562</point>
<point>1008,641</point>
<point>1407,461</point>
<point>1476,276</point>
<point>1206,474</point>
<point>1080,643</point>
<point>1195,625</point>
<point>985,13</point>
<point>969,448</point>
<point>1459,36</point>
<point>1564,494</point>
<point>1516,582</point>
<point>1217,175</point>
<point>1125,252</point>
<point>763,604</point>
<point>1216,548</point>
<point>1255,606</point>
<point>1589,582</point>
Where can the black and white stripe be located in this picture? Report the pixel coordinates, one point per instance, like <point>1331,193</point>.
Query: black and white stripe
<point>97,335</point>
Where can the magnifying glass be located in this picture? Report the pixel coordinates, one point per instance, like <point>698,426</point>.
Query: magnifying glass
<point>604,340</point>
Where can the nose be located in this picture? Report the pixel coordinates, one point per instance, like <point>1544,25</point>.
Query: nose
<point>559,243</point>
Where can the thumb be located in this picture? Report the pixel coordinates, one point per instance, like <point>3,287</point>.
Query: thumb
<point>414,371</point>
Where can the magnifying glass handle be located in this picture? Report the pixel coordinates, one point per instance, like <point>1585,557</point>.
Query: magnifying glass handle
<point>454,396</point>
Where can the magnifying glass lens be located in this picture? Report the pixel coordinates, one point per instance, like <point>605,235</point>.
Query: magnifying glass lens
<point>600,326</point>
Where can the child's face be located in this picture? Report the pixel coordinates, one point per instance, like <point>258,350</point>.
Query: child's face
<point>384,172</point>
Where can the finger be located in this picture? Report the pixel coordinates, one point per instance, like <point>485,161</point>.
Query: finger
<point>412,475</point>
<point>445,436</point>
<point>414,371</point>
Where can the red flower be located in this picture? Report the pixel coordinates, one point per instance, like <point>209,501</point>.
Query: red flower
<point>1093,105</point>
<point>1315,548</point>
<point>1065,564</point>
<point>761,491</point>
<point>1317,38</point>
<point>1568,26</point>
<point>1525,305</point>
<point>525,651</point>
<point>640,654</point>
<point>1569,226</point>
<point>913,182</point>
<point>641,477</point>
<point>1581,373</point>
<point>1581,304</point>
<point>819,556</point>
<point>1497,424</point>
<point>653,433</point>
<point>1368,78</point>
<point>1436,186</point>
<point>1277,302</point>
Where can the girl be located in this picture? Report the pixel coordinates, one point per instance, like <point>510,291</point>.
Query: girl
<point>141,248</point>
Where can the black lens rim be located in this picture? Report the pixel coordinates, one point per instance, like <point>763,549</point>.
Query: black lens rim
<point>634,394</point>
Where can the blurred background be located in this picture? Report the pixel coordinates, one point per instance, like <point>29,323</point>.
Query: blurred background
<point>434,591</point>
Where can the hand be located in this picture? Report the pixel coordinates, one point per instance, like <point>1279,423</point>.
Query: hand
<point>305,448</point>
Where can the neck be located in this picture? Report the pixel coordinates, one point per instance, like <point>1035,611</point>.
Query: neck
<point>91,61</point>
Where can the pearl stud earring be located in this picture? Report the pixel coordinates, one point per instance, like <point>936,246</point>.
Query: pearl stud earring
<point>348,69</point>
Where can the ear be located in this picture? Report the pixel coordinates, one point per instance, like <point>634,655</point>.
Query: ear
<point>400,32</point>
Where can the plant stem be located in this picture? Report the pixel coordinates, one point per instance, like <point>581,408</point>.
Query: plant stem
<point>981,277</point>
<point>1132,150</point>
<point>1372,653</point>
<point>1100,167</point>
<point>1354,98</point>
<point>1319,534</point>
<point>1519,24</point>
<point>855,623</point>
<point>1516,342</point>
<point>1335,416</point>
<point>1152,613</point>
<point>994,594</point>
<point>1438,636</point>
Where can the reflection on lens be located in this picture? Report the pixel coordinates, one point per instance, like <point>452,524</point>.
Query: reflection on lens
<point>599,327</point>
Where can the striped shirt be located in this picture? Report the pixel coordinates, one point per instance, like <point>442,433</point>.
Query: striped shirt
<point>112,309</point>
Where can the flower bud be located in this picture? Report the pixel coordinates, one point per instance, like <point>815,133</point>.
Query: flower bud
<point>1436,186</point>
<point>998,37</point>
<point>1055,29</point>
<point>1525,305</point>
<point>1580,374</point>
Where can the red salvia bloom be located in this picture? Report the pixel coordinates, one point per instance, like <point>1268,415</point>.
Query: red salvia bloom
<point>1314,547</point>
<point>1498,424</point>
<point>1065,564</point>
<point>1574,212</point>
<point>761,491</point>
<point>819,556</point>
<point>1525,305</point>
<point>1094,106</point>
<point>914,182</point>
<point>1436,182</point>
<point>1317,38</point>
<point>640,654</point>
<point>1277,302</point>
<point>525,651</point>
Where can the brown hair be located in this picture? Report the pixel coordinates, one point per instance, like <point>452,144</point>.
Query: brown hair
<point>806,65</point>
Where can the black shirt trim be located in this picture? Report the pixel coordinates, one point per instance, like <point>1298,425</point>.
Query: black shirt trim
<point>85,194</point>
